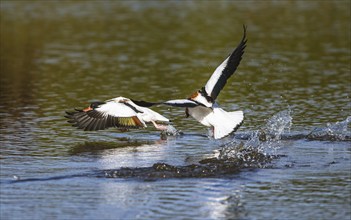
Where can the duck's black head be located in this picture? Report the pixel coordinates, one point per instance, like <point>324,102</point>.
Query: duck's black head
<point>95,105</point>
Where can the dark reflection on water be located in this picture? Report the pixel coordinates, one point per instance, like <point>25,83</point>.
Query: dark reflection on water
<point>92,147</point>
<point>58,55</point>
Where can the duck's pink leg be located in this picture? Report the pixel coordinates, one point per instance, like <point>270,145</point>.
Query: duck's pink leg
<point>159,127</point>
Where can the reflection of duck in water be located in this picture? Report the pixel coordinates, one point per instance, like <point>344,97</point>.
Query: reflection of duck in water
<point>202,104</point>
<point>118,112</point>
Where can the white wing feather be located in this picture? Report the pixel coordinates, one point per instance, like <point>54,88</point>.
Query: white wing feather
<point>116,109</point>
<point>215,76</point>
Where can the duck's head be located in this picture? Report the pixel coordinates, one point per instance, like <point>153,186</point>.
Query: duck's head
<point>201,97</point>
<point>93,106</point>
<point>194,95</point>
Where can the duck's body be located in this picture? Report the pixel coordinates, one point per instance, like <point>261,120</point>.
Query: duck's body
<point>119,112</point>
<point>223,123</point>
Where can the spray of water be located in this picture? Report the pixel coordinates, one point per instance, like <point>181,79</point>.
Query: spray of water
<point>170,131</point>
<point>265,141</point>
<point>333,131</point>
<point>276,125</point>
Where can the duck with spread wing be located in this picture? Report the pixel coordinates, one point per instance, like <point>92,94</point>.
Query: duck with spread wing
<point>202,104</point>
<point>120,112</point>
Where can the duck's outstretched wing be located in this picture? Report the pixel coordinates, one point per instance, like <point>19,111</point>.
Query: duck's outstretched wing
<point>185,103</point>
<point>107,115</point>
<point>175,102</point>
<point>145,103</point>
<point>220,76</point>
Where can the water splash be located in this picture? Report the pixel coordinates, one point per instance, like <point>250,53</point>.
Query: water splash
<point>332,132</point>
<point>170,131</point>
<point>265,141</point>
<point>276,125</point>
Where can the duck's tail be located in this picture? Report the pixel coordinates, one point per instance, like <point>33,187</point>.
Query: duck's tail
<point>225,123</point>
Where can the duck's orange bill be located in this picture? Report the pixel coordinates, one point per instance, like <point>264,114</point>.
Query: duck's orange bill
<point>88,109</point>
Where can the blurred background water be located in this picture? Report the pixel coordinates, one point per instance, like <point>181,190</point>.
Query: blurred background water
<point>59,55</point>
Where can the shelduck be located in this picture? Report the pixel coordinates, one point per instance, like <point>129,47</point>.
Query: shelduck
<point>202,104</point>
<point>120,112</point>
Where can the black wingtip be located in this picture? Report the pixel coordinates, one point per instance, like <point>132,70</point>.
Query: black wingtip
<point>145,103</point>
<point>244,39</point>
<point>68,113</point>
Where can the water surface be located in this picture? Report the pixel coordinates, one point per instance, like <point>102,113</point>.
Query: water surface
<point>59,55</point>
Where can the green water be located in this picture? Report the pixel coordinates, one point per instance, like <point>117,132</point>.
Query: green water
<point>63,54</point>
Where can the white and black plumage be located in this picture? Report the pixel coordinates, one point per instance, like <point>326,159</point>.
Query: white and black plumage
<point>120,112</point>
<point>202,105</point>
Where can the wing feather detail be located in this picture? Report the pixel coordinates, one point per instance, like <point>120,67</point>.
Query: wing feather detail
<point>107,115</point>
<point>93,121</point>
<point>175,102</point>
<point>222,73</point>
<point>185,103</point>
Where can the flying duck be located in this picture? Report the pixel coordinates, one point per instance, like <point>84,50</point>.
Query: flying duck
<point>120,112</point>
<point>202,104</point>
